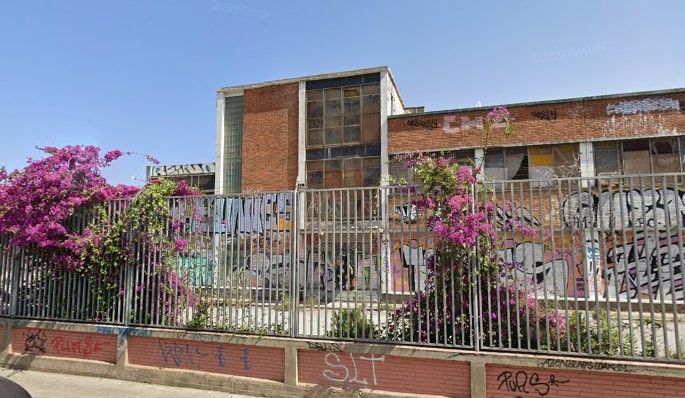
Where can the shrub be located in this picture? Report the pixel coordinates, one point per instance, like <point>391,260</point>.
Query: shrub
<point>351,323</point>
<point>594,335</point>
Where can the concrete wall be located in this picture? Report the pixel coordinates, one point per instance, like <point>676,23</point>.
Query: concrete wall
<point>598,119</point>
<point>270,366</point>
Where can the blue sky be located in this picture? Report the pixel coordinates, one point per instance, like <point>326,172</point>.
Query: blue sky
<point>142,75</point>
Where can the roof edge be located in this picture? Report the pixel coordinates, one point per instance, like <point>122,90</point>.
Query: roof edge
<point>320,76</point>
<point>546,102</point>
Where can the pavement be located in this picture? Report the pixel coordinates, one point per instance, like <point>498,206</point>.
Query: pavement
<point>55,385</point>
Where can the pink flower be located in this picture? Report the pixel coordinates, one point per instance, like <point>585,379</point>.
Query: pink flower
<point>466,174</point>
<point>112,155</point>
<point>180,245</point>
<point>499,115</point>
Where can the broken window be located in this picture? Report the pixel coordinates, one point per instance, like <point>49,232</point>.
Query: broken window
<point>506,164</point>
<point>665,157</point>
<point>636,157</point>
<point>551,161</point>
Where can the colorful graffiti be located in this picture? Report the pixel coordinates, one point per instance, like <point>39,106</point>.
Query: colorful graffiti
<point>259,213</point>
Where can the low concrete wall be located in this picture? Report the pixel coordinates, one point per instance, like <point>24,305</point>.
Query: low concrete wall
<point>272,366</point>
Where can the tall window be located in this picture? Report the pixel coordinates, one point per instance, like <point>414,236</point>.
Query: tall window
<point>343,132</point>
<point>233,143</point>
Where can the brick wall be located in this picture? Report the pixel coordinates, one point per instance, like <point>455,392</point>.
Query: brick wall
<point>60,343</point>
<point>270,125</point>
<point>598,119</point>
<point>531,382</point>
<point>239,360</point>
<point>385,373</point>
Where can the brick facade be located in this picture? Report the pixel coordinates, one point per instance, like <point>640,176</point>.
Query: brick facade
<point>599,119</point>
<point>238,360</point>
<point>270,126</point>
<point>385,373</point>
<point>63,343</point>
<point>507,382</point>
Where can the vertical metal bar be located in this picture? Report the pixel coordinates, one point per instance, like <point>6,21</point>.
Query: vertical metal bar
<point>674,298</point>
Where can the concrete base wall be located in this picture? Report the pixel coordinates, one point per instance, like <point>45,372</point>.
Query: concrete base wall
<point>270,366</point>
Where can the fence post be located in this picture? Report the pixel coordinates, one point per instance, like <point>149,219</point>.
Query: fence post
<point>128,282</point>
<point>295,265</point>
<point>475,288</point>
<point>16,275</point>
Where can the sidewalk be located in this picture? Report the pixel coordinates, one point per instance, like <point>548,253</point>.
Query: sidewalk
<point>55,385</point>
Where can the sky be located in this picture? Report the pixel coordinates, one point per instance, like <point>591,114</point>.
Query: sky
<point>142,75</point>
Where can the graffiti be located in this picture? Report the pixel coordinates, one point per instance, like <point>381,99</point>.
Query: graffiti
<point>246,358</point>
<point>429,124</point>
<point>582,365</point>
<point>182,169</point>
<point>545,115</point>
<point>644,105</point>
<point>531,266</point>
<point>521,382</point>
<point>639,125</point>
<point>270,212</point>
<point>338,372</point>
<point>35,342</point>
<point>338,269</point>
<point>451,125</point>
<point>414,258</point>
<point>329,347</point>
<point>181,354</point>
<point>646,264</point>
<point>270,269</point>
<point>408,212</point>
<point>82,348</point>
<point>519,214</point>
<point>618,210</point>
<point>220,358</point>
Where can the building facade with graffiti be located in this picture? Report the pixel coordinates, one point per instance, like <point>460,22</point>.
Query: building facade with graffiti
<point>321,153</point>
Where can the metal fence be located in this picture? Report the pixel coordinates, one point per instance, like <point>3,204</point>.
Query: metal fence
<point>587,266</point>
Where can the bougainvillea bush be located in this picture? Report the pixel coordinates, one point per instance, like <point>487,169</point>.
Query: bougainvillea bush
<point>57,210</point>
<point>466,260</point>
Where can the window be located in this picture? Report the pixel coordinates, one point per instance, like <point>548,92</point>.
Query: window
<point>344,116</point>
<point>644,156</point>
<point>350,172</point>
<point>636,157</point>
<point>535,162</point>
<point>343,132</point>
<point>506,163</point>
<point>552,161</point>
<point>403,175</point>
<point>233,149</point>
<point>608,159</point>
<point>665,156</point>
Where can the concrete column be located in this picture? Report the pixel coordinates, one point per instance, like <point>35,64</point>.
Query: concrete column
<point>479,161</point>
<point>220,139</point>
<point>478,379</point>
<point>291,366</point>
<point>587,160</point>
<point>301,134</point>
<point>122,348</point>
<point>385,103</point>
